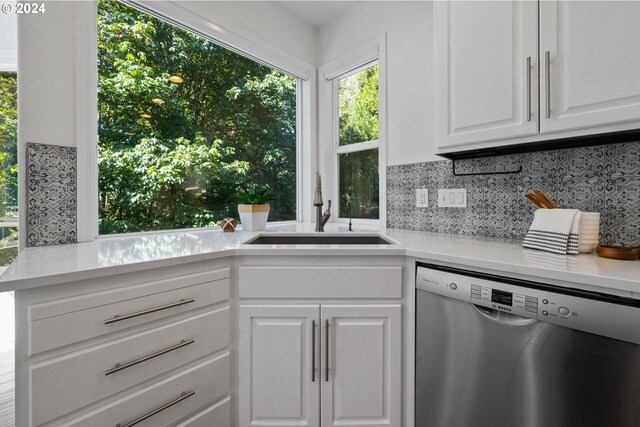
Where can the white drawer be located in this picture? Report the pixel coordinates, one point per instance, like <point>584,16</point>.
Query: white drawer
<point>72,381</point>
<point>209,380</point>
<point>320,282</point>
<point>93,315</point>
<point>217,415</point>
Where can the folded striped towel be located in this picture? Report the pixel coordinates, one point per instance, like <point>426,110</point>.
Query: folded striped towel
<point>554,230</point>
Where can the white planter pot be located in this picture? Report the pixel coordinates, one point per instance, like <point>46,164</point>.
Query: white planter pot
<point>253,217</point>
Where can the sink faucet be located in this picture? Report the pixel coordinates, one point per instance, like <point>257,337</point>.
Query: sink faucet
<point>321,219</point>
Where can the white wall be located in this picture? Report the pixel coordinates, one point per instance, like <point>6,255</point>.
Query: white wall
<point>410,78</point>
<point>8,41</point>
<point>46,94</point>
<point>46,84</point>
<point>265,21</point>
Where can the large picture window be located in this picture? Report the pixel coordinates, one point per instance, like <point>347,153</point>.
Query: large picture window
<point>183,123</point>
<point>9,167</point>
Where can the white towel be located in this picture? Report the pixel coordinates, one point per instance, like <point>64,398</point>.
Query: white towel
<point>554,230</point>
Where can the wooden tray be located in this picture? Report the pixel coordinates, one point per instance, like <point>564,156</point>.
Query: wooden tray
<point>618,252</point>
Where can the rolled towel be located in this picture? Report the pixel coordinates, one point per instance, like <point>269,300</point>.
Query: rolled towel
<point>554,230</point>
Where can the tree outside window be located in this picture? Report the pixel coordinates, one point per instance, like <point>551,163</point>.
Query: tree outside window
<point>358,175</point>
<point>8,168</point>
<point>183,123</point>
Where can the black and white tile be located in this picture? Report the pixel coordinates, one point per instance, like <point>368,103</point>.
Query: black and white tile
<point>51,195</point>
<point>603,179</point>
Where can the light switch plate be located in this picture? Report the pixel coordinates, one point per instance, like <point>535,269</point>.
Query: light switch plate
<point>452,198</point>
<point>422,198</point>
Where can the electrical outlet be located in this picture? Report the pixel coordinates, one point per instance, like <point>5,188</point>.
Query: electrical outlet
<point>452,198</point>
<point>422,198</point>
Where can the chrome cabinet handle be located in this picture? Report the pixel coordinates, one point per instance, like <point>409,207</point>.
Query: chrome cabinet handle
<point>313,351</point>
<point>183,396</point>
<point>326,351</point>
<point>119,367</point>
<point>528,88</point>
<point>118,318</point>
<point>547,80</point>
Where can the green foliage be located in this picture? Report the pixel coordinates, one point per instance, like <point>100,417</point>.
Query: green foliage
<point>8,165</point>
<point>358,121</point>
<point>359,184</point>
<point>231,123</point>
<point>253,197</point>
<point>8,144</point>
<point>8,254</point>
<point>358,107</point>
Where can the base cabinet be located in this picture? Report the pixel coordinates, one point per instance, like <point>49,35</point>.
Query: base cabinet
<point>320,365</point>
<point>276,355</point>
<point>362,354</point>
<point>147,348</point>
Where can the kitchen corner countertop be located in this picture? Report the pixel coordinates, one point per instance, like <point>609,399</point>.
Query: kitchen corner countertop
<point>42,266</point>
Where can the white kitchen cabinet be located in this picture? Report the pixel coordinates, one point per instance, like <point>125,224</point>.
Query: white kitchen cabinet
<point>276,351</point>
<point>363,358</point>
<point>594,58</point>
<point>487,70</point>
<point>153,343</point>
<point>583,70</point>
<point>320,365</point>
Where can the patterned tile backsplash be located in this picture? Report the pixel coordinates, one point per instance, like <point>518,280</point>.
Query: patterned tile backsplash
<point>603,179</point>
<point>51,195</point>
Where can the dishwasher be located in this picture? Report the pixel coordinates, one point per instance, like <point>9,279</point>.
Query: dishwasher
<point>501,352</point>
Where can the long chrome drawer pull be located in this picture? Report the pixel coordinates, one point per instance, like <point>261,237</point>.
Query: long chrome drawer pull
<point>528,88</point>
<point>118,318</point>
<point>547,82</point>
<point>313,351</point>
<point>326,351</point>
<point>119,367</point>
<point>183,396</point>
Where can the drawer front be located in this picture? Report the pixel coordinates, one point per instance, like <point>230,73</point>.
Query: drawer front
<point>209,380</point>
<point>320,282</point>
<point>218,415</point>
<point>58,331</point>
<point>72,381</point>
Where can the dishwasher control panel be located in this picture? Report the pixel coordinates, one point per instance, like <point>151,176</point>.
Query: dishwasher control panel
<point>591,314</point>
<point>509,302</point>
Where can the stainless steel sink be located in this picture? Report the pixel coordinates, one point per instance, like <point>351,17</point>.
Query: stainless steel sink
<point>352,239</point>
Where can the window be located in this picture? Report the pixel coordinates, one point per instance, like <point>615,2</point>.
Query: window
<point>357,147</point>
<point>183,123</point>
<point>9,168</point>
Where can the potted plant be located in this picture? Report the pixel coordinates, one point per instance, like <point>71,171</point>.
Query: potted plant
<point>253,208</point>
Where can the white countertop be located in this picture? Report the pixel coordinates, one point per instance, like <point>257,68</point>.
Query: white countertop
<point>105,256</point>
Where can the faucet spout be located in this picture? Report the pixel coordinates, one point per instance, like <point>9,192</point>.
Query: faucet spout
<point>327,215</point>
<point>321,219</point>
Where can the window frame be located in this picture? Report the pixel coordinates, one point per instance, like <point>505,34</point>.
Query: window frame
<point>331,73</point>
<point>220,33</point>
<point>13,69</point>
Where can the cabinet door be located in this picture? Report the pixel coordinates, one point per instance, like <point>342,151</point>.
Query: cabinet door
<point>594,58</point>
<point>361,344</point>
<point>276,386</point>
<point>486,90</point>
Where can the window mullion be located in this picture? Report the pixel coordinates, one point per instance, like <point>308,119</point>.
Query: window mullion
<point>361,146</point>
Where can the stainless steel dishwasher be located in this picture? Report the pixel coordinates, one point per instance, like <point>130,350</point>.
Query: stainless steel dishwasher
<point>499,352</point>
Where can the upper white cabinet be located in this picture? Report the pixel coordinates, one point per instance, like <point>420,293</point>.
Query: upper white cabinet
<point>487,70</point>
<point>592,75</point>
<point>496,60</point>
